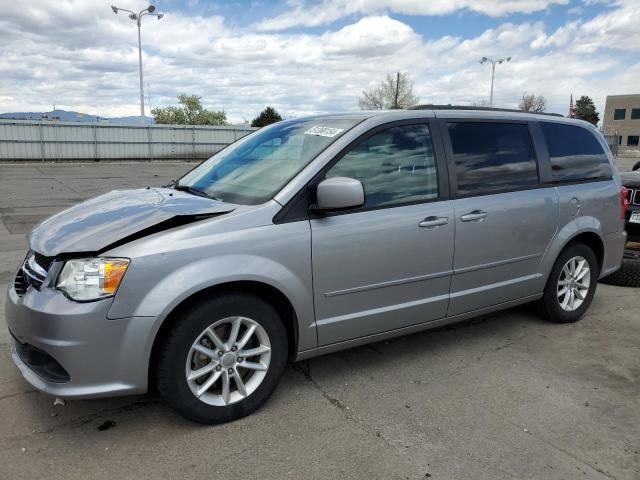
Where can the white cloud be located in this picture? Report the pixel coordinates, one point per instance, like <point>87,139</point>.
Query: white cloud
<point>81,56</point>
<point>312,15</point>
<point>616,29</point>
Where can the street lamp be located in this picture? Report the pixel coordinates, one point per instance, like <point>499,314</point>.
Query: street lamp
<point>493,71</point>
<point>138,19</point>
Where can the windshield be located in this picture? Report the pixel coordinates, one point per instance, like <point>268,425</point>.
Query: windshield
<point>256,167</point>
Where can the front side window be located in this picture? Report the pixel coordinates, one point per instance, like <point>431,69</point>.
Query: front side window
<point>632,140</point>
<point>620,113</point>
<point>395,166</point>
<point>256,167</point>
<point>575,153</point>
<point>635,113</point>
<point>492,157</point>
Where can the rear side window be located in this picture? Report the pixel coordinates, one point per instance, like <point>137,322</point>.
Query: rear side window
<point>492,157</point>
<point>396,166</point>
<point>575,153</point>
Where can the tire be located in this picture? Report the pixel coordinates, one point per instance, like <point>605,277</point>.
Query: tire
<point>179,356</point>
<point>635,167</point>
<point>551,304</point>
<point>629,273</point>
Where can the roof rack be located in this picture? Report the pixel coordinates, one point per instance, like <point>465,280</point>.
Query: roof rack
<point>468,107</point>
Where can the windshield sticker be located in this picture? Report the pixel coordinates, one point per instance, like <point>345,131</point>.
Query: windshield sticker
<point>324,131</point>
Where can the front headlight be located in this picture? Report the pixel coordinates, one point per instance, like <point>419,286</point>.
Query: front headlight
<point>86,279</point>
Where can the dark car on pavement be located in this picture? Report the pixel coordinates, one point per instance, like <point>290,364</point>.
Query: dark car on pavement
<point>631,180</point>
<point>629,273</point>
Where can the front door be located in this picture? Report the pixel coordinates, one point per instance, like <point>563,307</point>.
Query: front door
<point>386,265</point>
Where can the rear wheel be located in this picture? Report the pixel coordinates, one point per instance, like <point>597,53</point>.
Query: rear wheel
<point>222,359</point>
<point>571,284</point>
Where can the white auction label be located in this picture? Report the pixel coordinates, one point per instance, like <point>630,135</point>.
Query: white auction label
<point>324,131</point>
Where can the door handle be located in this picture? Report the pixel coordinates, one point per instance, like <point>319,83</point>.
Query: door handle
<point>474,216</point>
<point>433,222</point>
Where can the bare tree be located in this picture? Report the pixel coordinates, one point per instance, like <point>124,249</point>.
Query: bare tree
<point>532,103</point>
<point>394,92</point>
<point>481,103</point>
<point>372,100</point>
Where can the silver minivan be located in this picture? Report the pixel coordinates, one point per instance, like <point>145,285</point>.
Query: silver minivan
<point>310,236</point>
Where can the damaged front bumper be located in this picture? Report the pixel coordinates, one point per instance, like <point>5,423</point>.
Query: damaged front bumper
<point>72,350</point>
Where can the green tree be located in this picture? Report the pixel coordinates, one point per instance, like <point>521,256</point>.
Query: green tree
<point>586,110</point>
<point>268,116</point>
<point>191,112</point>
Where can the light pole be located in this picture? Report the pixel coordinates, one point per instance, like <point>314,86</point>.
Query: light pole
<point>138,19</point>
<point>493,71</point>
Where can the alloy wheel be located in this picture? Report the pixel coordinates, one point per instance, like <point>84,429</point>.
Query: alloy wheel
<point>573,283</point>
<point>228,361</point>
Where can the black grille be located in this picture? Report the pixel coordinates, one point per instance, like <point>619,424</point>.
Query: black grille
<point>44,261</point>
<point>32,272</point>
<point>20,284</point>
<point>634,197</point>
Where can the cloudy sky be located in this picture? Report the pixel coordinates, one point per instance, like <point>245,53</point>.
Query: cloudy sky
<point>305,56</point>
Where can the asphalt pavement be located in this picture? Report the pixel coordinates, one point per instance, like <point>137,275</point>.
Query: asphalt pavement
<point>503,396</point>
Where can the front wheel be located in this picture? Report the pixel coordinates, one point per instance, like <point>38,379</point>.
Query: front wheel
<point>222,358</point>
<point>571,285</point>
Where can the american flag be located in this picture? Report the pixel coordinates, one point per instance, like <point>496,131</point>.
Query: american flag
<point>572,108</point>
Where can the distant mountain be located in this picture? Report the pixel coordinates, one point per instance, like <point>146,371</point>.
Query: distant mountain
<point>66,116</point>
<point>131,120</point>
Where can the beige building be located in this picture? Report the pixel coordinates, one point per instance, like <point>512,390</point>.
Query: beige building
<point>622,119</point>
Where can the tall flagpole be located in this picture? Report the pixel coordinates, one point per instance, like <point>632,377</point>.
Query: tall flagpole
<point>572,108</point>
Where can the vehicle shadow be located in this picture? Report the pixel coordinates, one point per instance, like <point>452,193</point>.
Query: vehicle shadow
<point>473,335</point>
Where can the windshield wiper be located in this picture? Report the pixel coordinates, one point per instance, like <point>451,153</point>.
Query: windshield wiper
<point>194,191</point>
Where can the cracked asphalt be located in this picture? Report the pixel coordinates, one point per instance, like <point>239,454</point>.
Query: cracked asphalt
<point>499,397</point>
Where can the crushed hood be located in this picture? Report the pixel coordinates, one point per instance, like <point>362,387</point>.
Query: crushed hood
<point>100,222</point>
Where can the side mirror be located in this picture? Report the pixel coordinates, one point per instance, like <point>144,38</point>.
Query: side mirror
<point>339,193</point>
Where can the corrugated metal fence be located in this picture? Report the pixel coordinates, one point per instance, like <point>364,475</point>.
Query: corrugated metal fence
<point>31,140</point>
